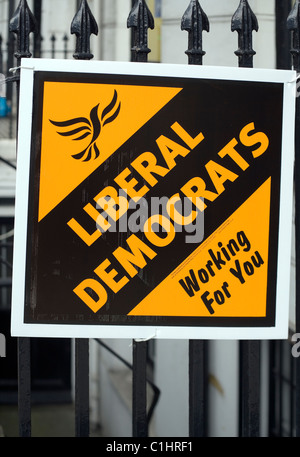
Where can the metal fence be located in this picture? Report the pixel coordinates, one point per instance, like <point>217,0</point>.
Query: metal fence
<point>55,46</point>
<point>194,21</point>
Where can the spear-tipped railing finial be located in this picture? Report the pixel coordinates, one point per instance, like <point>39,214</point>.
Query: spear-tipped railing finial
<point>22,24</point>
<point>195,21</point>
<point>140,19</point>
<point>83,26</point>
<point>244,22</point>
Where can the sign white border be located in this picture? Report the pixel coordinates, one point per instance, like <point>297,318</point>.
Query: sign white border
<point>280,330</point>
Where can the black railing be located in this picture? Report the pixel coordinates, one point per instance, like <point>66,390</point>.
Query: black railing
<point>54,47</point>
<point>195,22</point>
<point>293,24</point>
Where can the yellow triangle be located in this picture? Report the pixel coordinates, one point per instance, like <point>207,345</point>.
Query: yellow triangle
<point>132,107</point>
<point>247,299</point>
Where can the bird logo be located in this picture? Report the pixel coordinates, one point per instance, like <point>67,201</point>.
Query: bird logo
<point>83,127</point>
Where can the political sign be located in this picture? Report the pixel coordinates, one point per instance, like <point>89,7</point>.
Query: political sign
<point>153,200</point>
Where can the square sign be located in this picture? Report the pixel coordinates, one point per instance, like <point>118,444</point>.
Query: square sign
<point>153,200</point>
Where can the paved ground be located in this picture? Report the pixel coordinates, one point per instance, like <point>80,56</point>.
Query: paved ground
<point>47,421</point>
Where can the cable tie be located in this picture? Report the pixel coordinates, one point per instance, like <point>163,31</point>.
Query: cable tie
<point>15,69</point>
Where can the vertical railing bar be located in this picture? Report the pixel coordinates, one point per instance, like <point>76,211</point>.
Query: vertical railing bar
<point>24,387</point>
<point>10,52</point>
<point>139,391</point>
<point>250,388</point>
<point>272,388</point>
<point>297,231</point>
<point>22,23</point>
<point>283,39</point>
<point>83,25</point>
<point>132,36</point>
<point>139,21</point>
<point>245,22</point>
<point>195,21</point>
<point>278,389</point>
<point>53,41</point>
<point>293,25</point>
<point>65,40</point>
<point>82,422</point>
<point>281,382</point>
<point>198,388</point>
<point>37,36</point>
<point>292,396</point>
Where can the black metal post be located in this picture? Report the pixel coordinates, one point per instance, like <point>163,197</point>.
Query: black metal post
<point>249,389</point>
<point>195,21</point>
<point>10,50</point>
<point>82,421</point>
<point>65,39</point>
<point>83,25</point>
<point>198,383</point>
<point>139,390</point>
<point>53,40</point>
<point>293,25</point>
<point>22,24</point>
<point>283,36</point>
<point>244,22</point>
<point>140,19</point>
<point>37,11</point>
<point>24,387</point>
